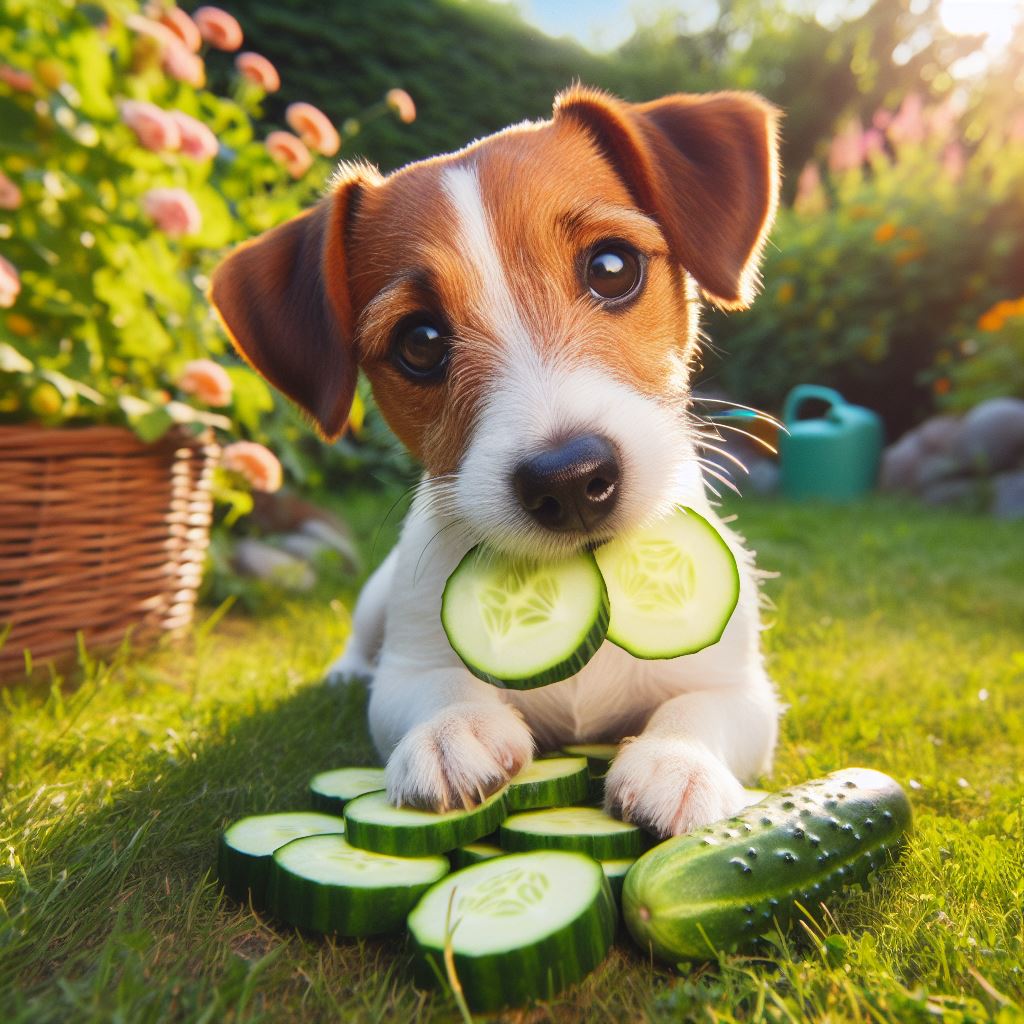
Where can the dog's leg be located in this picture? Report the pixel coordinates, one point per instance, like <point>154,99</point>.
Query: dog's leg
<point>683,770</point>
<point>449,738</point>
<point>365,642</point>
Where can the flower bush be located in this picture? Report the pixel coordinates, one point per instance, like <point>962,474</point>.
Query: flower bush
<point>913,227</point>
<point>122,181</point>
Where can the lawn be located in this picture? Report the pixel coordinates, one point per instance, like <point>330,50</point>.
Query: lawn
<point>896,638</point>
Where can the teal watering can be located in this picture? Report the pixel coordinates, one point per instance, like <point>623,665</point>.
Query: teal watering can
<point>834,456</point>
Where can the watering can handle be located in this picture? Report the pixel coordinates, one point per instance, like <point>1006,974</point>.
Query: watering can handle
<point>802,392</point>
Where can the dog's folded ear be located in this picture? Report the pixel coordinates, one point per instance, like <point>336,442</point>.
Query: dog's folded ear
<point>705,167</point>
<point>284,300</point>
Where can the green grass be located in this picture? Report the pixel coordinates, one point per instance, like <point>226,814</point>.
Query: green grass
<point>897,639</point>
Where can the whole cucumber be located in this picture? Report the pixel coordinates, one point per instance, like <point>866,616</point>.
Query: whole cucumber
<point>722,886</point>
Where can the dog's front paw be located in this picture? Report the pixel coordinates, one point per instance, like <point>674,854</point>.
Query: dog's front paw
<point>458,757</point>
<point>670,786</point>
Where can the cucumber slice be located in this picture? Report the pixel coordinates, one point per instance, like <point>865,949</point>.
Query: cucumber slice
<point>599,755</point>
<point>372,823</point>
<point>522,624</point>
<point>583,829</point>
<point>521,927</point>
<point>474,853</point>
<point>247,847</point>
<point>330,791</point>
<point>325,885</point>
<point>552,782</point>
<point>672,587</point>
<point>615,871</point>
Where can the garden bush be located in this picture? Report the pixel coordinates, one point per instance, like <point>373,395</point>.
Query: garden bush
<point>122,181</point>
<point>881,268</point>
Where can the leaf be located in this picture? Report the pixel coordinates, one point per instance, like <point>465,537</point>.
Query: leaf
<point>151,426</point>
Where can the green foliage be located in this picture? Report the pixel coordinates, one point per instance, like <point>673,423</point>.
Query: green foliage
<point>895,642</point>
<point>871,275</point>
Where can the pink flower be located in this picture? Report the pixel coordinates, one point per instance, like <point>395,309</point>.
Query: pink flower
<point>218,28</point>
<point>10,194</point>
<point>175,19</point>
<point>401,103</point>
<point>873,142</point>
<point>151,29</point>
<point>258,69</point>
<point>953,161</point>
<point>257,464</point>
<point>207,380</point>
<point>314,128</point>
<point>847,149</point>
<point>154,128</point>
<point>19,81</point>
<point>942,119</point>
<point>183,65</point>
<point>197,141</point>
<point>1016,133</point>
<point>10,283</point>
<point>810,196</point>
<point>173,211</point>
<point>908,124</point>
<point>290,152</point>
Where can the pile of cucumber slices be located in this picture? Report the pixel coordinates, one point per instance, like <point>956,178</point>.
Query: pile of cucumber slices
<point>525,890</point>
<point>659,592</point>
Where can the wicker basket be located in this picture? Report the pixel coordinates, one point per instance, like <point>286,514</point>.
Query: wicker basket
<point>99,534</point>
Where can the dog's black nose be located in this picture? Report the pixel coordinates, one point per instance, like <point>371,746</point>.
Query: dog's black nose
<point>572,486</point>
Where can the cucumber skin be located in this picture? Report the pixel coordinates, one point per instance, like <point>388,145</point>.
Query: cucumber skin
<point>560,670</point>
<point>566,957</point>
<point>338,910</point>
<point>612,846</point>
<point>425,841</point>
<point>242,875</point>
<point>561,792</point>
<point>721,887</point>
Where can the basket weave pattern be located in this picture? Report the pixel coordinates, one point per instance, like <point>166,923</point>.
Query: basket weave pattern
<point>99,534</point>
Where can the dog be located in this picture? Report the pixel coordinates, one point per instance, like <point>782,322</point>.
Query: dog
<point>527,308</point>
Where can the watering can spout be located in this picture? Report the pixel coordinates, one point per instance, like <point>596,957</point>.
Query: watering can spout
<point>834,456</point>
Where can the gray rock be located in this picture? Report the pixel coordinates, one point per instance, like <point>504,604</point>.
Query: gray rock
<point>935,468</point>
<point>964,491</point>
<point>255,558</point>
<point>1008,495</point>
<point>938,435</point>
<point>991,438</point>
<point>899,464</point>
<point>309,549</point>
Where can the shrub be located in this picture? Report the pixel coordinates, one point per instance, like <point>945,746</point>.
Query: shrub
<point>122,181</point>
<point>909,234</point>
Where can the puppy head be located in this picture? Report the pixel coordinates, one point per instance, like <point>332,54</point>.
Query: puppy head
<point>525,309</point>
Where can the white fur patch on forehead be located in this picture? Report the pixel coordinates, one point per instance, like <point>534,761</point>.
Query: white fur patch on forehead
<point>493,302</point>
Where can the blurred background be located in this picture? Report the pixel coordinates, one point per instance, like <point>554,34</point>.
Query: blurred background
<point>138,142</point>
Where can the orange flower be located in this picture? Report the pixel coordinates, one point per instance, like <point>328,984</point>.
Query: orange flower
<point>154,127</point>
<point>218,28</point>
<point>401,103</point>
<point>258,69</point>
<point>991,321</point>
<point>257,464</point>
<point>785,293</point>
<point>207,380</point>
<point>182,26</point>
<point>197,141</point>
<point>10,194</point>
<point>314,128</point>
<point>183,65</point>
<point>290,152</point>
<point>941,386</point>
<point>10,283</point>
<point>885,232</point>
<point>19,81</point>
<point>173,211</point>
<point>905,256</point>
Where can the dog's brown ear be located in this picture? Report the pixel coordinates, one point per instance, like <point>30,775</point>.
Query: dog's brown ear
<point>705,167</point>
<point>284,299</point>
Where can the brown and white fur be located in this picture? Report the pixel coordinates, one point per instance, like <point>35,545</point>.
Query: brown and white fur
<point>490,239</point>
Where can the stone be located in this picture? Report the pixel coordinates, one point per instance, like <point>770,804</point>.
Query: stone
<point>938,434</point>
<point>964,491</point>
<point>1008,495</point>
<point>899,464</point>
<point>991,437</point>
<point>256,558</point>
<point>934,468</point>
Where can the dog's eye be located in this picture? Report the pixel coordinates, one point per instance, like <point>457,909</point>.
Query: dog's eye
<point>613,272</point>
<point>420,348</point>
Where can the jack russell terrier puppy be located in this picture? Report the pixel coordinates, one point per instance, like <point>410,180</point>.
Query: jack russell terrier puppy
<point>526,312</point>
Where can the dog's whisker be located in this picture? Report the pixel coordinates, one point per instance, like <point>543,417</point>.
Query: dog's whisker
<point>723,479</point>
<point>725,453</point>
<point>768,446</point>
<point>427,546</point>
